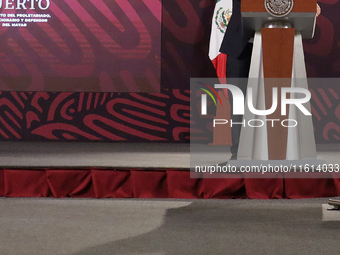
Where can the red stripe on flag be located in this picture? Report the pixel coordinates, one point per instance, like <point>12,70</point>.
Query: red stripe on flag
<point>220,64</point>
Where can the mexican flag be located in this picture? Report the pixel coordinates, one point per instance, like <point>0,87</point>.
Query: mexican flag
<point>221,17</point>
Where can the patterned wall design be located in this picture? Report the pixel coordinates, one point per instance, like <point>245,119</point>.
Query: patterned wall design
<point>326,112</point>
<point>132,117</point>
<point>87,45</point>
<point>137,117</point>
<point>323,51</point>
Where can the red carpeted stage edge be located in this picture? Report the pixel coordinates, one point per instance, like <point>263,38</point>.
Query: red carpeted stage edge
<point>126,170</point>
<point>155,183</point>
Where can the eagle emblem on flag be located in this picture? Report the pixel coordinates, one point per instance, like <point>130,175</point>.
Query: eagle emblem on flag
<point>222,17</point>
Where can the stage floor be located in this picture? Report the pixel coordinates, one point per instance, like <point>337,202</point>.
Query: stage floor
<point>119,155</point>
<point>167,227</point>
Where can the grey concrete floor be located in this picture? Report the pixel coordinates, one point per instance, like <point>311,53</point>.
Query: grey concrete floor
<point>43,226</point>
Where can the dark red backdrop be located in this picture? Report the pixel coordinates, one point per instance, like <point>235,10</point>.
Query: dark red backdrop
<point>88,46</point>
<point>34,116</point>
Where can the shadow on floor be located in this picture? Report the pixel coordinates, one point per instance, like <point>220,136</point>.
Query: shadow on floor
<point>241,227</point>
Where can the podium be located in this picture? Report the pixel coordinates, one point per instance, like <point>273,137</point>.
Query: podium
<point>277,61</point>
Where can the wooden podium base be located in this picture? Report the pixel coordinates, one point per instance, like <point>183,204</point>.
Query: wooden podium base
<point>267,143</point>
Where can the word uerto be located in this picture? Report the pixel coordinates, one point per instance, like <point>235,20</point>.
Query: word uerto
<point>24,4</point>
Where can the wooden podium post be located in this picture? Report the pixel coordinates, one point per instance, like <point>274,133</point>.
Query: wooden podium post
<point>278,48</point>
<point>277,61</point>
